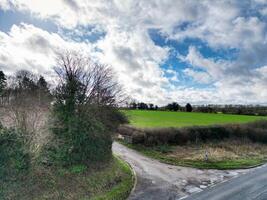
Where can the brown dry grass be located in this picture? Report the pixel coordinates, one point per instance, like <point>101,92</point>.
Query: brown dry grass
<point>219,151</point>
<point>225,154</point>
<point>37,125</point>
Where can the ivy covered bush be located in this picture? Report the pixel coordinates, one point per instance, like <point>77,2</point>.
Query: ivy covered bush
<point>85,112</point>
<point>14,157</point>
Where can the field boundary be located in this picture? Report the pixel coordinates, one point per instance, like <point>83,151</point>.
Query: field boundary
<point>253,131</point>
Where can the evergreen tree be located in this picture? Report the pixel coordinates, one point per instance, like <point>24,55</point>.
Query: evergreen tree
<point>2,82</point>
<point>42,84</point>
<point>188,107</point>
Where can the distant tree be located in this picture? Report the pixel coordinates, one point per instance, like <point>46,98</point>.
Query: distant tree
<point>2,82</point>
<point>156,107</point>
<point>44,94</point>
<point>151,106</point>
<point>133,105</point>
<point>26,80</point>
<point>42,84</point>
<point>142,106</point>
<point>173,106</point>
<point>188,107</point>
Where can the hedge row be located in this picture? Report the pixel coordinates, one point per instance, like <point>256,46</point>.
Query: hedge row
<point>254,131</point>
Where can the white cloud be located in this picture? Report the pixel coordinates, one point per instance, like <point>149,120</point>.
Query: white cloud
<point>28,47</point>
<point>128,47</point>
<point>200,77</point>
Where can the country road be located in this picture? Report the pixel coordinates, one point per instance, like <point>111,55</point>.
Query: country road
<point>159,181</point>
<point>251,186</point>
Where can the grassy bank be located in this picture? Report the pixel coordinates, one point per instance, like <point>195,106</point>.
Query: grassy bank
<point>227,154</point>
<point>149,119</point>
<point>110,181</point>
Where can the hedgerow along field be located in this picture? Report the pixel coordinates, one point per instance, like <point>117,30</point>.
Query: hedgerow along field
<point>153,119</point>
<point>181,138</point>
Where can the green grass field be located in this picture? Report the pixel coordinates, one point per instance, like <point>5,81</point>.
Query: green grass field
<point>144,119</point>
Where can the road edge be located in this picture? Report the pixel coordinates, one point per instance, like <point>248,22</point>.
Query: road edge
<point>133,172</point>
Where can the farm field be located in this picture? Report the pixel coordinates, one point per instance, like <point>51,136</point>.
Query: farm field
<point>231,153</point>
<point>152,119</point>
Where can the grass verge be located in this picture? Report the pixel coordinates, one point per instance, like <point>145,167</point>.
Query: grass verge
<point>221,155</point>
<point>111,181</point>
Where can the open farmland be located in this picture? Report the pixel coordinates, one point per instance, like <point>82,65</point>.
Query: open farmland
<point>198,139</point>
<point>147,119</point>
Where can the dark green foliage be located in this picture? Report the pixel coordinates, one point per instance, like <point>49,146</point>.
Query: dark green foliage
<point>27,89</point>
<point>2,82</point>
<point>80,139</point>
<point>254,131</point>
<point>142,106</point>
<point>259,110</point>
<point>84,115</point>
<point>173,107</point>
<point>13,157</point>
<point>188,107</point>
<point>42,84</point>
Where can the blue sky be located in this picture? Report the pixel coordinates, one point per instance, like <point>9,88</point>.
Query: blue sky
<point>186,51</point>
<point>10,17</point>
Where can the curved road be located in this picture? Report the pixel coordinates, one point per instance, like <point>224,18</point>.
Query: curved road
<point>251,186</point>
<point>159,181</point>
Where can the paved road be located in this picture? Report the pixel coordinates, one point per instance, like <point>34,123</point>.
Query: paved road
<point>251,186</point>
<point>159,181</point>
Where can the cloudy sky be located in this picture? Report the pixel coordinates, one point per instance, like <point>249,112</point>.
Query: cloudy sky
<point>162,50</point>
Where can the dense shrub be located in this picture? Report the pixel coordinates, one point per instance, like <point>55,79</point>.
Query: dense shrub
<point>14,158</point>
<point>82,140</point>
<point>85,113</point>
<point>254,131</point>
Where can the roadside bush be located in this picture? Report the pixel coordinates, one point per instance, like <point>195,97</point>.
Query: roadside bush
<point>85,113</point>
<point>158,136</point>
<point>84,140</point>
<point>254,131</point>
<point>127,130</point>
<point>13,155</point>
<point>84,137</point>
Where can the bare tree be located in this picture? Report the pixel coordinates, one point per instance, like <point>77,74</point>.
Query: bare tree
<point>24,109</point>
<point>94,83</point>
<point>85,110</point>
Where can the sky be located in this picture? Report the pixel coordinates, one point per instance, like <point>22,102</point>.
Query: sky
<point>202,52</point>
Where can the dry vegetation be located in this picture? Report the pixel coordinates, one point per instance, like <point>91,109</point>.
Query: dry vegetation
<point>35,120</point>
<point>219,151</point>
<point>226,154</point>
<point>219,146</point>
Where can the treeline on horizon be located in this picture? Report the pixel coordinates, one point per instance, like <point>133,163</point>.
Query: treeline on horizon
<point>259,110</point>
<point>38,86</point>
<point>26,85</point>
